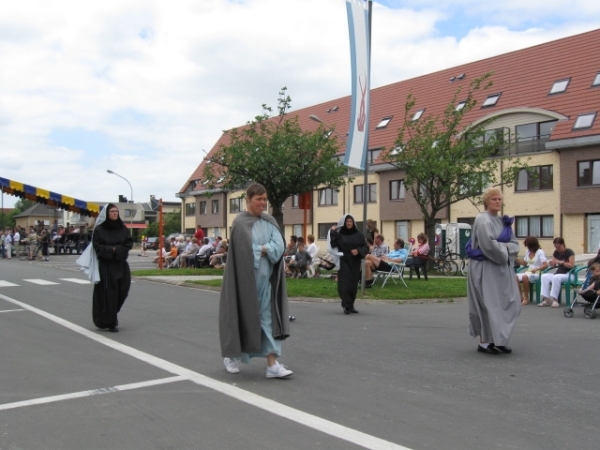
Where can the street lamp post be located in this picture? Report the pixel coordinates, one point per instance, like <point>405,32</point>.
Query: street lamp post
<point>131,199</point>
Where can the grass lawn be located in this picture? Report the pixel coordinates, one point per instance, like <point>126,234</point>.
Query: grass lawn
<point>442,288</point>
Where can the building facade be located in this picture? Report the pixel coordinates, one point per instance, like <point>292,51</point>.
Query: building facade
<point>544,102</point>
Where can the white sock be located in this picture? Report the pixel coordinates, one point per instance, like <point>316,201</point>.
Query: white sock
<point>484,344</point>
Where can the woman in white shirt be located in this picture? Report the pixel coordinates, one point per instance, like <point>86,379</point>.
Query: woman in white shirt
<point>535,260</point>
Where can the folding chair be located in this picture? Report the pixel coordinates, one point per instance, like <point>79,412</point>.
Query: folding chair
<point>396,269</point>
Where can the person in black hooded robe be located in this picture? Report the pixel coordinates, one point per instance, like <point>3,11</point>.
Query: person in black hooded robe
<point>112,242</point>
<point>353,247</point>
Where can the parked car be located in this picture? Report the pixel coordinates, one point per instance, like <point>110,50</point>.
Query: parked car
<point>152,243</point>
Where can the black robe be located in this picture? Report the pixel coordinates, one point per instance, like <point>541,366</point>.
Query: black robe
<point>347,240</point>
<point>115,278</point>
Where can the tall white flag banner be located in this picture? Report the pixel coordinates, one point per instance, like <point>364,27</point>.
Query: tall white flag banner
<point>358,139</point>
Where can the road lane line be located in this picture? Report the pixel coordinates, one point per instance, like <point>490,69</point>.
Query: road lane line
<point>76,280</point>
<point>271,406</point>
<point>7,284</point>
<point>62,397</point>
<point>12,310</point>
<point>40,281</point>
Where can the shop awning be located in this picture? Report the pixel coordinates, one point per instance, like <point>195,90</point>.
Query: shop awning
<point>49,198</point>
<point>135,225</point>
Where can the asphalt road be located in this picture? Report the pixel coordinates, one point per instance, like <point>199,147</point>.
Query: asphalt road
<point>393,376</point>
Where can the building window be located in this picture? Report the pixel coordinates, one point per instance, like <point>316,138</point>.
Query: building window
<point>128,213</point>
<point>324,228</point>
<point>295,201</point>
<point>537,178</point>
<point>460,105</point>
<point>538,226</point>
<point>467,220</point>
<point>235,205</point>
<point>202,208</point>
<point>397,191</point>
<point>215,206</point>
<point>372,155</point>
<point>560,86</point>
<point>596,80</point>
<point>491,100</point>
<point>418,114</point>
<point>588,173</point>
<point>297,229</point>
<point>190,209</point>
<point>327,197</point>
<point>358,193</point>
<point>532,137</point>
<point>584,121</point>
<point>384,122</point>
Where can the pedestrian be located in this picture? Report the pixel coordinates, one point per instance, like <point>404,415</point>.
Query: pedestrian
<point>352,248</point>
<point>253,302</point>
<point>8,243</point>
<point>44,241</point>
<point>112,242</point>
<point>492,292</point>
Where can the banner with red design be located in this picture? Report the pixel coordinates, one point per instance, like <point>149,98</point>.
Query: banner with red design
<point>358,138</point>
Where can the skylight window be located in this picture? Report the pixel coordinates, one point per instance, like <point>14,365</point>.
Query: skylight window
<point>596,80</point>
<point>384,122</point>
<point>460,105</point>
<point>418,114</point>
<point>491,100</point>
<point>584,121</point>
<point>560,86</point>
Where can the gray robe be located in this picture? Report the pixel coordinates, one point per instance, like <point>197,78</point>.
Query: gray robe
<point>492,291</point>
<point>239,314</point>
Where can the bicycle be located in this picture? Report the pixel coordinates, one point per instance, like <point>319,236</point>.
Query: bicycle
<point>447,263</point>
<point>22,251</point>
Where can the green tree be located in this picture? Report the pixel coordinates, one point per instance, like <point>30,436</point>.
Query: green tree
<point>277,153</point>
<point>20,205</point>
<point>446,161</point>
<point>172,224</point>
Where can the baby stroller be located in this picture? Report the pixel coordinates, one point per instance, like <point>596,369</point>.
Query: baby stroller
<point>589,300</point>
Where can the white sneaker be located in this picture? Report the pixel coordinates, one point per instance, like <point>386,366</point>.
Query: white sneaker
<point>278,371</point>
<point>232,365</point>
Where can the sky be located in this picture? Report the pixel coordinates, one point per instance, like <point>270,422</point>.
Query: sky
<point>144,88</point>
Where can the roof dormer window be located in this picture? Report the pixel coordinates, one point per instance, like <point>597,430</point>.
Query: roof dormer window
<point>384,122</point>
<point>418,114</point>
<point>491,100</point>
<point>460,105</point>
<point>596,80</point>
<point>560,86</point>
<point>584,121</point>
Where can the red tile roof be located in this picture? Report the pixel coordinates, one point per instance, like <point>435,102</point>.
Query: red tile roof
<point>524,78</point>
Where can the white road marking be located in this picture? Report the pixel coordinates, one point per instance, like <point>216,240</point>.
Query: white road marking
<point>58,398</point>
<point>40,281</point>
<point>273,407</point>
<point>7,284</point>
<point>11,310</point>
<point>76,280</point>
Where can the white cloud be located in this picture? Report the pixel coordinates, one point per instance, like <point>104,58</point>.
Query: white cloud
<point>159,81</point>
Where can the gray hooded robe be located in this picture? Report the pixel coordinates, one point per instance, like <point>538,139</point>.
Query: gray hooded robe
<point>239,315</point>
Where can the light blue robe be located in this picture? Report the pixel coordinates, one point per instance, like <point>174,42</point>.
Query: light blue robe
<point>264,234</point>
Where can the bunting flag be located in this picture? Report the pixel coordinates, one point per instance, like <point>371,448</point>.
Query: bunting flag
<point>358,139</point>
<point>48,197</point>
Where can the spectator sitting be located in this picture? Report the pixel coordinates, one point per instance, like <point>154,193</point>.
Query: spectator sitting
<point>301,261</point>
<point>219,243</point>
<point>398,255</point>
<point>171,256</point>
<point>181,244</point>
<point>591,293</point>
<point>203,252</point>
<point>289,252</point>
<point>158,252</point>
<point>181,260</point>
<point>218,259</point>
<point>379,247</point>
<point>420,255</point>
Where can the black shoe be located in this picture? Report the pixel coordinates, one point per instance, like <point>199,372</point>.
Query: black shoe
<point>369,283</point>
<point>346,310</point>
<point>491,350</point>
<point>353,310</point>
<point>113,329</point>
<point>503,348</point>
<point>292,318</point>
